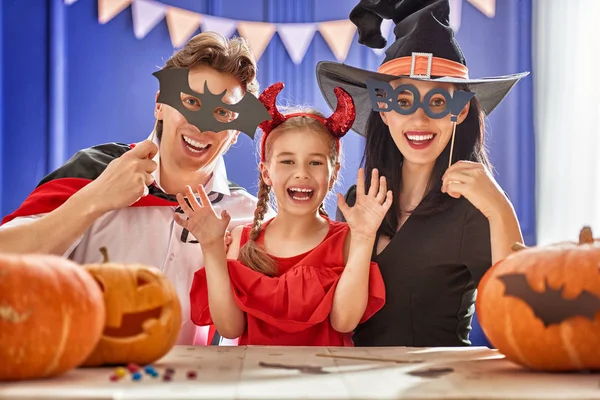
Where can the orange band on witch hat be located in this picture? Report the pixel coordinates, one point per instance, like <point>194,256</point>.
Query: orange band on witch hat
<point>424,65</point>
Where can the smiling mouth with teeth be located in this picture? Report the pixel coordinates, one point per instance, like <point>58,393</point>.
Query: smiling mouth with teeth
<point>193,145</point>
<point>420,138</point>
<point>301,194</point>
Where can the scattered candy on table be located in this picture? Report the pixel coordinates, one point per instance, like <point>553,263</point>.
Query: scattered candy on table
<point>151,371</point>
<point>192,374</point>
<point>136,373</point>
<point>131,367</point>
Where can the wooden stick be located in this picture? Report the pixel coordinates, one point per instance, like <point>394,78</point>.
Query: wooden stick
<point>452,143</point>
<point>154,131</point>
<point>395,360</point>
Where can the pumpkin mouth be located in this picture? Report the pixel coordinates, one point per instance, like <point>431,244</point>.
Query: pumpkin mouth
<point>133,324</point>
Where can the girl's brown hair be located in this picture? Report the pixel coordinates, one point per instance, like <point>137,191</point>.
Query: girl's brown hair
<point>253,254</point>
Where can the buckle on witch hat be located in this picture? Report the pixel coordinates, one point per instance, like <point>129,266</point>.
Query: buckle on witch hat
<point>413,63</point>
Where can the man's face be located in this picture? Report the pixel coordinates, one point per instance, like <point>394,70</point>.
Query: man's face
<point>183,144</point>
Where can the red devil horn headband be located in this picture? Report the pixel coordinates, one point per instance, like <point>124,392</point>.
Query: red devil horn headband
<point>339,123</point>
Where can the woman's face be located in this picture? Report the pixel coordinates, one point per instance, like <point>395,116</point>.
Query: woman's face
<point>419,138</point>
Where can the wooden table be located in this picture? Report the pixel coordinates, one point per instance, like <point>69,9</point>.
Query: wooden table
<point>235,373</point>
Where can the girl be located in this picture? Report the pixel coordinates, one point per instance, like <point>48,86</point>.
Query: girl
<point>299,278</point>
<point>447,225</point>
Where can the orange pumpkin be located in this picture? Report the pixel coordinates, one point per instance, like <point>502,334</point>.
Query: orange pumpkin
<point>540,306</point>
<point>143,314</point>
<point>51,316</point>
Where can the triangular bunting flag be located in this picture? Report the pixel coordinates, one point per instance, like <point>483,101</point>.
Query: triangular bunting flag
<point>487,7</point>
<point>258,35</point>
<point>226,27</point>
<point>455,14</point>
<point>108,9</point>
<point>338,35</point>
<point>146,14</point>
<point>182,25</point>
<point>386,27</point>
<point>296,38</point>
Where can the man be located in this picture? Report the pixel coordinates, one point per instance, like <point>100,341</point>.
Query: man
<point>123,197</point>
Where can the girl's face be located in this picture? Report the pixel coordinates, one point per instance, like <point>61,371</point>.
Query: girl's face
<point>299,169</point>
<point>419,138</point>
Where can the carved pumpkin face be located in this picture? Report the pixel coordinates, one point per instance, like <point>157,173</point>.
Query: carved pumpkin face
<point>540,306</point>
<point>143,314</point>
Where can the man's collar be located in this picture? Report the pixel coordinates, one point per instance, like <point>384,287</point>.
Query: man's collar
<point>217,183</point>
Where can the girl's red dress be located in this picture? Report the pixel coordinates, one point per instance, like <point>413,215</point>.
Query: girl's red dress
<point>292,308</point>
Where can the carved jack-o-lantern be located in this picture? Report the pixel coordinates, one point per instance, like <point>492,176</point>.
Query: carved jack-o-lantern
<point>143,314</point>
<point>541,306</point>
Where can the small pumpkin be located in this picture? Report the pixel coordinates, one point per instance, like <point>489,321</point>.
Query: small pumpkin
<point>540,306</point>
<point>143,314</point>
<point>51,316</point>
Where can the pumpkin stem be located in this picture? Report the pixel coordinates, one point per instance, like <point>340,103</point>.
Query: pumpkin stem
<point>104,254</point>
<point>518,246</point>
<point>585,236</point>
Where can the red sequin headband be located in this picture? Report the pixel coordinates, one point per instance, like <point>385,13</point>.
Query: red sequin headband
<point>339,123</point>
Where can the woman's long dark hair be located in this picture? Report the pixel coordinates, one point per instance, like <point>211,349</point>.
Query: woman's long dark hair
<point>382,153</point>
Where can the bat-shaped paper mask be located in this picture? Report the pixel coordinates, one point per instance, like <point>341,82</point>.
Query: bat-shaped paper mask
<point>384,98</point>
<point>550,306</point>
<point>207,111</point>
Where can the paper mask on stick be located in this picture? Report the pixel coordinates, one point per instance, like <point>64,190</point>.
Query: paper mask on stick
<point>212,114</point>
<point>384,98</point>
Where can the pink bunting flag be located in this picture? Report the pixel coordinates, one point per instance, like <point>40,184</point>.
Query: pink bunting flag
<point>146,15</point>
<point>487,7</point>
<point>338,35</point>
<point>108,9</point>
<point>296,38</point>
<point>182,25</point>
<point>225,27</point>
<point>258,35</point>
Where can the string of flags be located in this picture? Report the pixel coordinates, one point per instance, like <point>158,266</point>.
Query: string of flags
<point>296,37</point>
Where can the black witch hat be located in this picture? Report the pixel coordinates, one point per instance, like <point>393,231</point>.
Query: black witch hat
<point>424,49</point>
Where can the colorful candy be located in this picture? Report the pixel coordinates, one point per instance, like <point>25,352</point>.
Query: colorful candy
<point>120,372</point>
<point>151,371</point>
<point>192,374</point>
<point>136,376</point>
<point>131,367</point>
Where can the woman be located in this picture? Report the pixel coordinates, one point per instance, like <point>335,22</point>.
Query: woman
<point>447,225</point>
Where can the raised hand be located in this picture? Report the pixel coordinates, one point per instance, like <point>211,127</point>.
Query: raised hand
<point>370,208</point>
<point>202,221</point>
<point>125,180</point>
<point>473,181</point>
